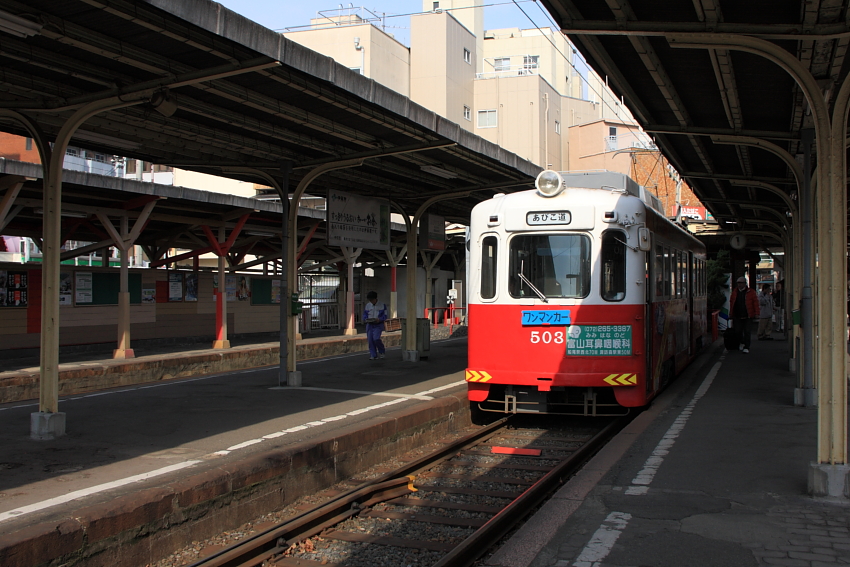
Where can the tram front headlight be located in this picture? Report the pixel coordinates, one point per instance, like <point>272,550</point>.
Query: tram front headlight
<point>549,183</point>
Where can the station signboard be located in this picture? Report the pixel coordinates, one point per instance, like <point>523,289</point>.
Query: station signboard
<point>432,233</point>
<point>358,222</point>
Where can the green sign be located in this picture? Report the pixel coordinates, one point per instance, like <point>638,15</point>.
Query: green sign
<point>599,340</point>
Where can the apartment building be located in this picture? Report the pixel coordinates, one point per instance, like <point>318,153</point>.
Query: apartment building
<point>518,88</point>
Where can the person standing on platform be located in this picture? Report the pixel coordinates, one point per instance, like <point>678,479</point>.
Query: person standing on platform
<point>779,302</point>
<point>766,309</point>
<point>744,305</point>
<point>374,316</point>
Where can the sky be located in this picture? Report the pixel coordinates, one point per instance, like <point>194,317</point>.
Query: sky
<point>281,14</point>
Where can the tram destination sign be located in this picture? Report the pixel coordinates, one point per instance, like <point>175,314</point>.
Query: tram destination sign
<point>599,340</point>
<point>538,218</point>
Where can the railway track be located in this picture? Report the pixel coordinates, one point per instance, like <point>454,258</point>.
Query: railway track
<point>442,510</point>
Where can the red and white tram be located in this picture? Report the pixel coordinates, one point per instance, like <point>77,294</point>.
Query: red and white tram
<point>583,297</point>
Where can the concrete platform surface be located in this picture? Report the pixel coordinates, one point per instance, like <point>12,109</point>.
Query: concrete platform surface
<point>90,368</point>
<point>144,467</point>
<point>714,474</point>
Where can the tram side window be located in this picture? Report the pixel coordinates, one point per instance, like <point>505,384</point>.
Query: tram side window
<point>659,271</point>
<point>683,274</point>
<point>489,248</point>
<point>669,273</point>
<point>613,266</point>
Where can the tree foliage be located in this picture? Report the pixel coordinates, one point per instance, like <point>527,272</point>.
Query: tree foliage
<point>716,269</point>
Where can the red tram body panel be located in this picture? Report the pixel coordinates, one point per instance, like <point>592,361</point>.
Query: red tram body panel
<point>584,301</point>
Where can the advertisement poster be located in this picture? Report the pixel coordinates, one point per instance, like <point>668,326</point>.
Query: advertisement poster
<point>13,289</point>
<point>149,295</point>
<point>358,222</point>
<point>66,289</point>
<point>83,287</point>
<point>275,291</point>
<point>175,286</point>
<point>192,287</point>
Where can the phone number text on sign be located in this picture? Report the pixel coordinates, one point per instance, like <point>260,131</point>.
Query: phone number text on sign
<point>599,340</point>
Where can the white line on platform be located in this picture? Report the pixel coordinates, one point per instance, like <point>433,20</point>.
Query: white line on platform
<point>362,393</point>
<point>640,483</point>
<point>18,512</point>
<point>399,398</point>
<point>603,540</point>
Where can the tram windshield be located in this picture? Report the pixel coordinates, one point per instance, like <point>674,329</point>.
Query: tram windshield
<point>557,265</point>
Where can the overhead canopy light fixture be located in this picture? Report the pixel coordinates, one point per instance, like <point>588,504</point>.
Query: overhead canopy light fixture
<point>438,171</point>
<point>18,26</point>
<point>106,140</point>
<point>65,213</point>
<point>164,102</point>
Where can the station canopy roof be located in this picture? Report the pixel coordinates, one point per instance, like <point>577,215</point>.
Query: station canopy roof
<point>223,95</point>
<point>689,98</point>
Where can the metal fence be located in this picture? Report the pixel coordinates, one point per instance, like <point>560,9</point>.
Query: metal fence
<point>320,296</point>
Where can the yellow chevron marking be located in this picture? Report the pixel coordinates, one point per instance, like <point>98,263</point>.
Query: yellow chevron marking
<point>477,376</point>
<point>621,379</point>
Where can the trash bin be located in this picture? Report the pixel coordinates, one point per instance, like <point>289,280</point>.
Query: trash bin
<point>423,336</point>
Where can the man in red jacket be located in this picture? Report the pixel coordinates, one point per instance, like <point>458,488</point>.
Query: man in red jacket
<point>743,306</point>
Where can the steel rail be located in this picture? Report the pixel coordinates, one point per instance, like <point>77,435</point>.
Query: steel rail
<point>479,542</point>
<point>258,548</point>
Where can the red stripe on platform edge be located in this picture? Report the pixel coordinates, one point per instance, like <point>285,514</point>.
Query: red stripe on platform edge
<point>515,451</point>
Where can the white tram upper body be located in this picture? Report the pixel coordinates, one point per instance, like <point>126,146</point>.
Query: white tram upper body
<point>582,297</point>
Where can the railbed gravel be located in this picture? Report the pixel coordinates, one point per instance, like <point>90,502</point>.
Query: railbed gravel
<point>362,554</point>
<point>199,549</point>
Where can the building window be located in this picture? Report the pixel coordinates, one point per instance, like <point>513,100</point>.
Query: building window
<point>502,64</point>
<point>611,141</point>
<point>467,113</point>
<point>436,6</point>
<point>487,119</point>
<point>357,70</point>
<point>529,62</point>
<point>29,144</point>
<point>72,152</point>
<point>557,127</point>
<point>467,56</point>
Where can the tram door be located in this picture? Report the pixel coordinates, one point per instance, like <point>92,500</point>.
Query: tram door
<point>691,291</point>
<point>648,324</point>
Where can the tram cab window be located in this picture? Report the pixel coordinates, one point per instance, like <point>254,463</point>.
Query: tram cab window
<point>556,265</point>
<point>489,248</point>
<point>659,271</point>
<point>613,260</point>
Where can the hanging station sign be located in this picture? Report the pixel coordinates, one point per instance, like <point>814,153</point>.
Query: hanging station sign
<point>432,233</point>
<point>358,222</point>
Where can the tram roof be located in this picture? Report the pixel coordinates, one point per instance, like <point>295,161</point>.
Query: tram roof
<point>692,100</point>
<point>247,99</point>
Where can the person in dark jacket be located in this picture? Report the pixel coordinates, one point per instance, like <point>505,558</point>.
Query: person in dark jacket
<point>743,307</point>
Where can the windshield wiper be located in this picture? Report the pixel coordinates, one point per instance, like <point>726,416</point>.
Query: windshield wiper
<point>529,284</point>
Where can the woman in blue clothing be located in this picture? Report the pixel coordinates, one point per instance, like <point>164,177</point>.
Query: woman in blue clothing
<point>374,315</point>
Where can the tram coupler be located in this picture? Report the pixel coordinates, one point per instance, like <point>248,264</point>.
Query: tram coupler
<point>590,402</point>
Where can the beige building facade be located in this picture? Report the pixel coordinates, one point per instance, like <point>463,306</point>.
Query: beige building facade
<point>518,88</point>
